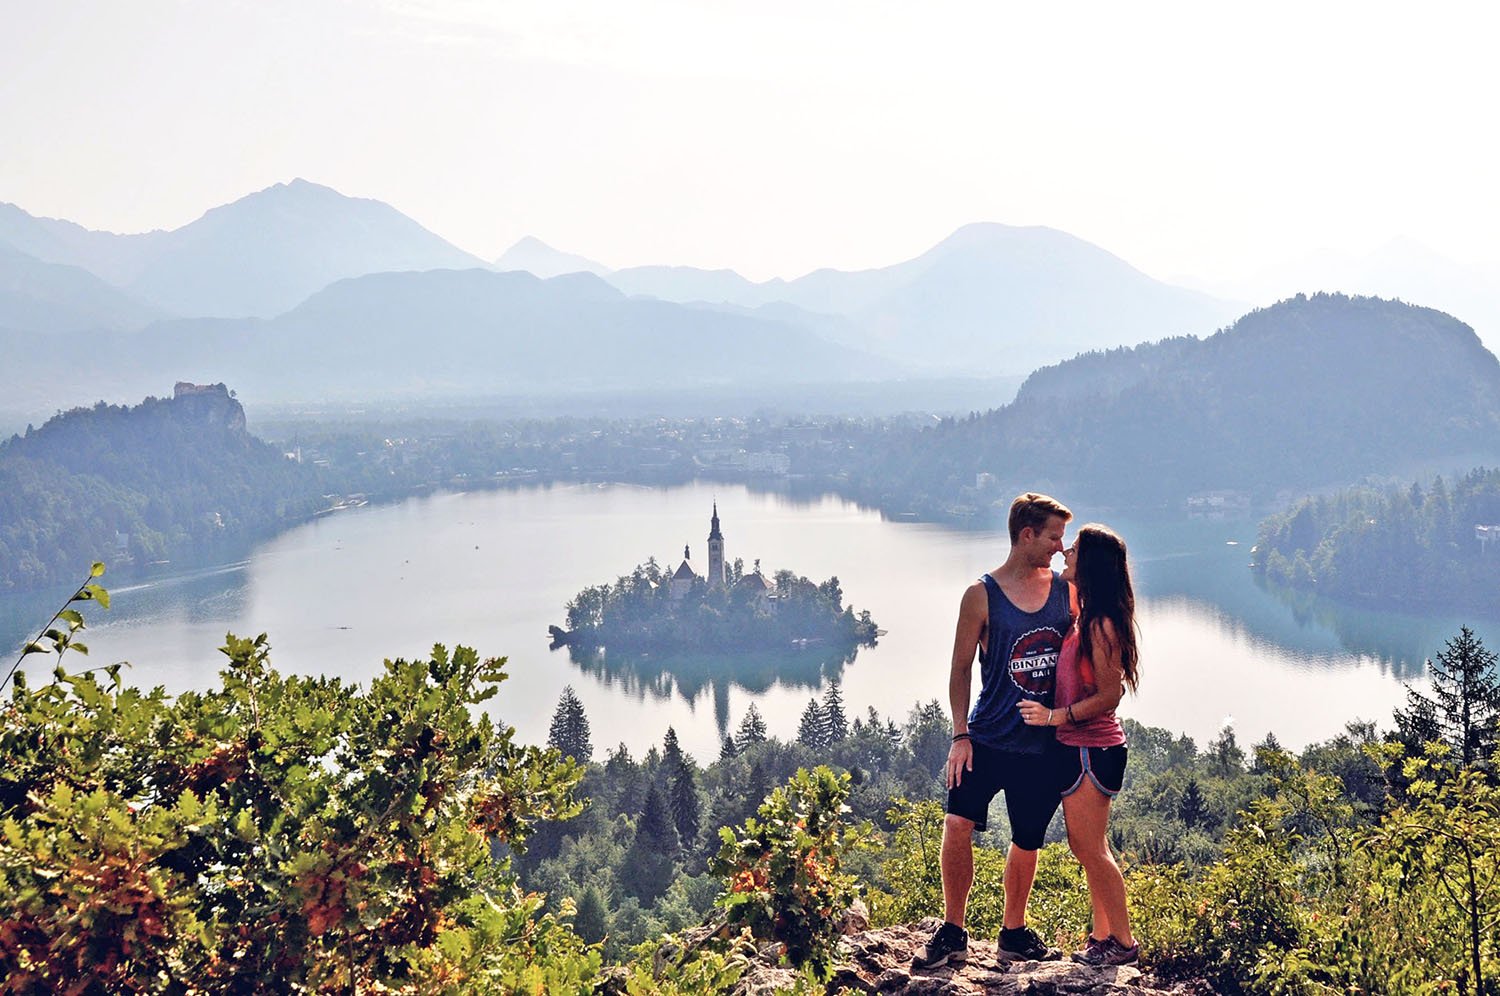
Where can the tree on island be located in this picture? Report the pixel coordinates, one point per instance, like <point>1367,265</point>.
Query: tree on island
<point>570,728</point>
<point>651,610</point>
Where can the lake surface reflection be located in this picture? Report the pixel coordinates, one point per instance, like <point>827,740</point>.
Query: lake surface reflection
<point>492,569</point>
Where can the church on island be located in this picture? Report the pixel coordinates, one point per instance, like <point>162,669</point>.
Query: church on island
<point>717,577</point>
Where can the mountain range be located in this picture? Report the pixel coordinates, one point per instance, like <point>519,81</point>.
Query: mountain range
<point>257,257</point>
<point>467,333</point>
<point>990,298</point>
<point>309,294</point>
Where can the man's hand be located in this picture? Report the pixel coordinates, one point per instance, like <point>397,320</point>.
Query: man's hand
<point>1035,714</point>
<point>960,759</point>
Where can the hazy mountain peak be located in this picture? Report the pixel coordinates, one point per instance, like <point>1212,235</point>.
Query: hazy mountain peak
<point>267,251</point>
<point>294,199</point>
<point>539,259</point>
<point>985,237</point>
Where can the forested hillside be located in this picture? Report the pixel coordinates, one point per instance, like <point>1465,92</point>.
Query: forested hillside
<point>166,479</point>
<point>1433,546</point>
<point>1313,391</point>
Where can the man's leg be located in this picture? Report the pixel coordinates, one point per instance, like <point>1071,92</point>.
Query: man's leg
<point>1031,799</point>
<point>958,868</point>
<point>1020,872</point>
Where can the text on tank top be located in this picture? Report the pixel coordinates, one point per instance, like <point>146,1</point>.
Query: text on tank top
<point>1017,660</point>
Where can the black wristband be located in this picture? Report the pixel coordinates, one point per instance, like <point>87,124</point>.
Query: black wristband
<point>961,736</point>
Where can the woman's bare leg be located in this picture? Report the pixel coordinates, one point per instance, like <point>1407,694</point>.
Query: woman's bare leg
<point>1087,814</point>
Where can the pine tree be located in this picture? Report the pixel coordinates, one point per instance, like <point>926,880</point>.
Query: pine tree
<point>836,721</point>
<point>1268,746</point>
<point>1192,810</point>
<point>649,864</point>
<point>570,728</point>
<point>671,752</point>
<point>686,808</point>
<point>1463,710</point>
<point>812,732</point>
<point>727,749</point>
<point>591,922</point>
<point>757,787</point>
<point>752,729</point>
<point>622,775</point>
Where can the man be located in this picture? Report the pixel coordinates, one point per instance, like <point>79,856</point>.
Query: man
<point>1015,617</point>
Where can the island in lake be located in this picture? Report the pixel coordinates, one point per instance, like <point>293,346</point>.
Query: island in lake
<point>724,609</point>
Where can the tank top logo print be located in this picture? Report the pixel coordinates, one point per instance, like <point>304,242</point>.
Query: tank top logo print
<point>1033,661</point>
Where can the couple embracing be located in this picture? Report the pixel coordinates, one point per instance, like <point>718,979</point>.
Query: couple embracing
<point>1056,652</point>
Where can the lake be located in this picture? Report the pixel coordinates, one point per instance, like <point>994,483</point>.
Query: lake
<point>492,569</point>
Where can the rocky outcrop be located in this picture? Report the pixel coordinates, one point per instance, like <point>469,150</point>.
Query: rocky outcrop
<point>207,404</point>
<point>879,961</point>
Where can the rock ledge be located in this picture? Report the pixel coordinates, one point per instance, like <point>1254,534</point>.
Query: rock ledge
<point>879,961</point>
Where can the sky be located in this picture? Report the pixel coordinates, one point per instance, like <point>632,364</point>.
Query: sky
<point>1199,141</point>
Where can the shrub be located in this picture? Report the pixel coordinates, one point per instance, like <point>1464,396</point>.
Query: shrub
<point>782,869</point>
<point>275,834</point>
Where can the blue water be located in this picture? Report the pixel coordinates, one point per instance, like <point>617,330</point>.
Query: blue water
<point>492,569</point>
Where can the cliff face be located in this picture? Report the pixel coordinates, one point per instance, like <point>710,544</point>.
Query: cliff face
<point>208,405</point>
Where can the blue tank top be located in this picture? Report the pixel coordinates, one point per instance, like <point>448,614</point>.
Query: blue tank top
<point>1018,660</point>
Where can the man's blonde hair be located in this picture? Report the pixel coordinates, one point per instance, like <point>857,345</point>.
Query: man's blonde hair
<point>1032,510</point>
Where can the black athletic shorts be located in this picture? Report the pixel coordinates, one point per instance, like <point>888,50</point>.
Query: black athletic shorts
<point>1104,766</point>
<point>1031,786</point>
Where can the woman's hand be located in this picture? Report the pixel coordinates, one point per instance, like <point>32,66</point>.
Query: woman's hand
<point>1036,714</point>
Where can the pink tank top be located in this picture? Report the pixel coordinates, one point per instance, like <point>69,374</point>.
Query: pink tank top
<point>1075,682</point>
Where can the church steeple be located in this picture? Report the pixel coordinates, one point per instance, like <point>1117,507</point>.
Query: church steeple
<point>715,551</point>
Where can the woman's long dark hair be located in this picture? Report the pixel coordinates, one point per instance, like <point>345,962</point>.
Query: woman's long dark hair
<point>1102,574</point>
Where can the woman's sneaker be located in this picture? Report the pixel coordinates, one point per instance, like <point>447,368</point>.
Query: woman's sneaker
<point>1025,944</point>
<point>1090,951</point>
<point>950,943</point>
<point>1108,952</point>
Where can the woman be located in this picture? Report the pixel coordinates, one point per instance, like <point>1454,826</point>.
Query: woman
<point>1098,661</point>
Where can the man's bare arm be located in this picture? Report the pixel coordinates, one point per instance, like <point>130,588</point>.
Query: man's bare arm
<point>973,613</point>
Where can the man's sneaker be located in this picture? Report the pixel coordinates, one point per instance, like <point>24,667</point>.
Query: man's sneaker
<point>1109,951</point>
<point>1024,943</point>
<point>1090,952</point>
<point>950,943</point>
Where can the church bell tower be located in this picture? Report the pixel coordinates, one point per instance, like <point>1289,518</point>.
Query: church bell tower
<point>715,551</point>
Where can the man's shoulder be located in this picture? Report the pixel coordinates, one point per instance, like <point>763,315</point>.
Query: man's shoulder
<point>976,596</point>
